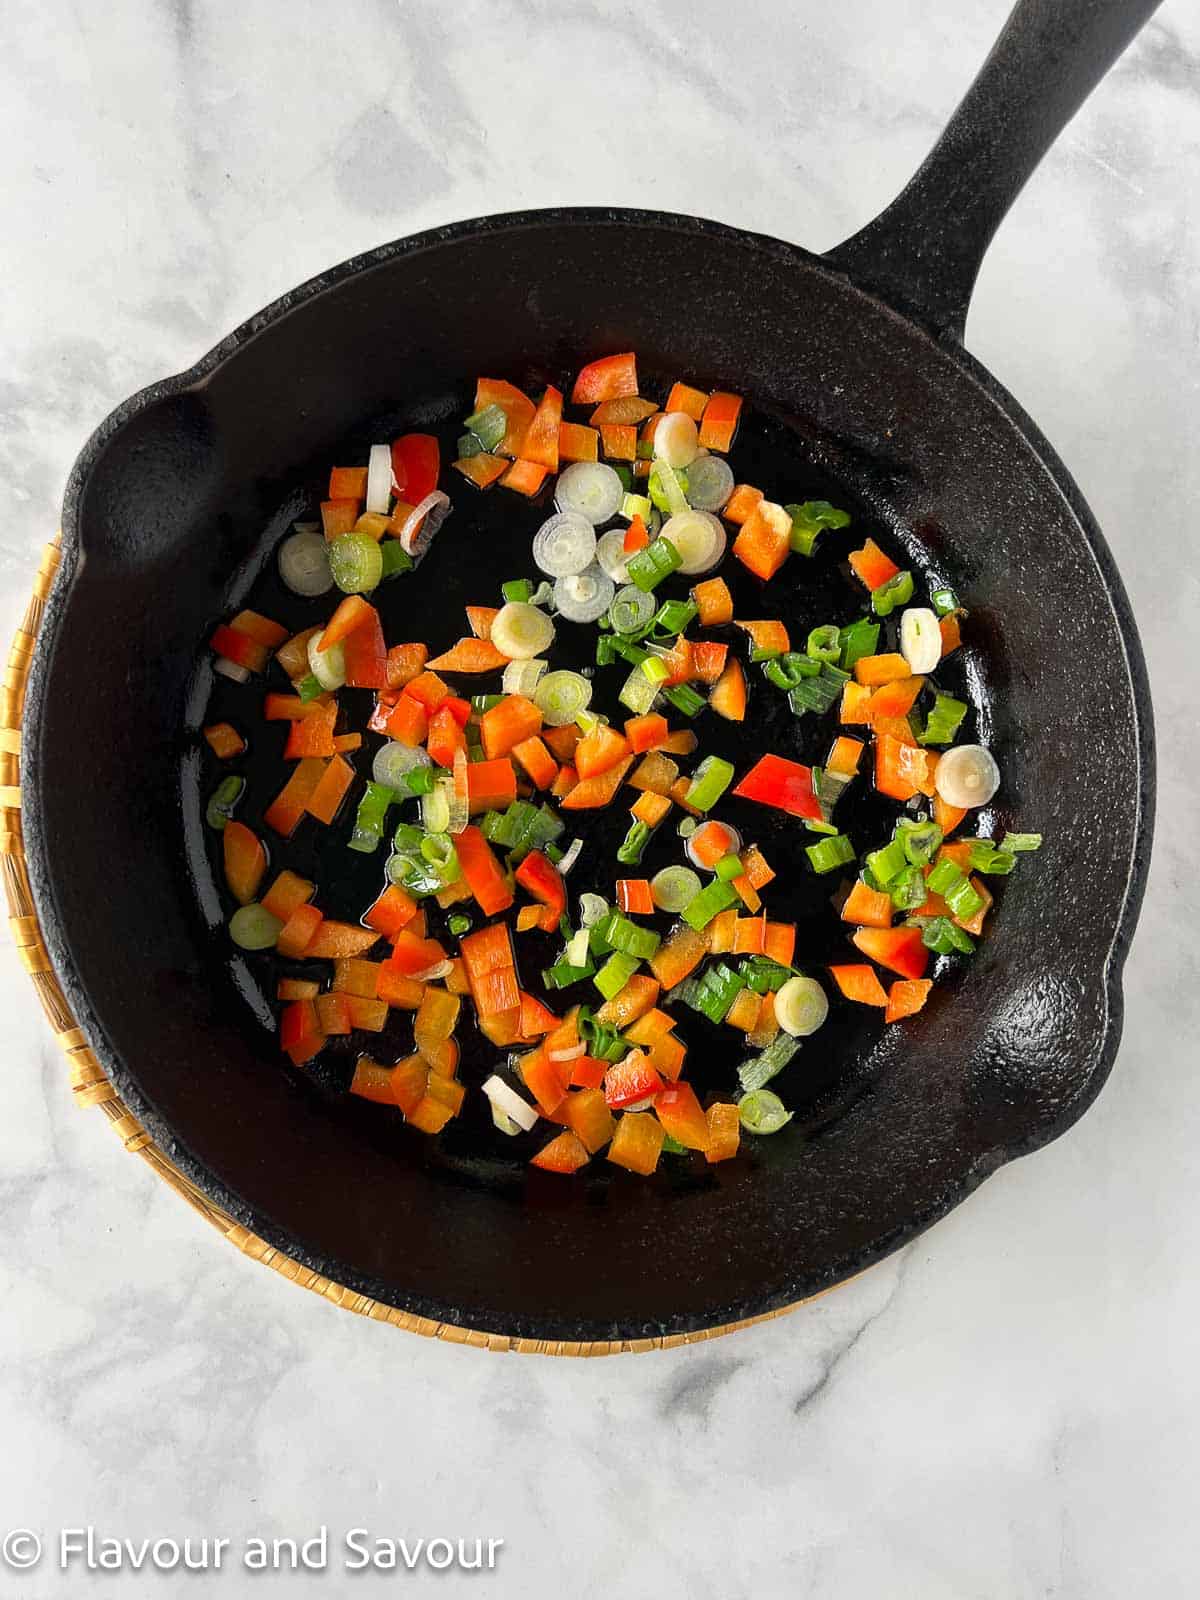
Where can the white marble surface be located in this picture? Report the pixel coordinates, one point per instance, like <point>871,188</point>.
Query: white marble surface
<point>1011,1408</point>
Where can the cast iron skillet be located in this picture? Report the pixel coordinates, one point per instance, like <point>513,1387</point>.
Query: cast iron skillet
<point>853,363</point>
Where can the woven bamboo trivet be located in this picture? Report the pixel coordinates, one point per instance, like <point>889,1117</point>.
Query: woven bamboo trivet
<point>90,1087</point>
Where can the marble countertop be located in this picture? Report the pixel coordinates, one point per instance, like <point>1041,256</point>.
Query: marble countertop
<point>1011,1407</point>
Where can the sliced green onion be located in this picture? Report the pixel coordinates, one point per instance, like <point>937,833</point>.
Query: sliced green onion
<point>827,855</point>
<point>963,899</point>
<point>685,699</point>
<point>820,693</point>
<point>309,688</point>
<point>945,875</point>
<point>523,677</point>
<point>395,559</point>
<point>786,671</point>
<point>763,1112</point>
<point>632,609</point>
<point>254,928</point>
<point>356,562</point>
<point>763,975</point>
<point>591,488</point>
<point>635,505</point>
<point>710,483</point>
<point>394,761</point>
<point>897,591</point>
<point>469,445</point>
<point>459,924</point>
<point>489,425</point>
<point>714,898</point>
<point>686,827</point>
<point>327,666</point>
<point>667,487</point>
<point>655,561</point>
<point>1018,843</point>
<point>719,988</point>
<point>562,975</point>
<point>920,841</point>
<point>943,720</point>
<point>941,936</point>
<point>435,810</point>
<point>825,643</point>
<point>729,867</point>
<point>760,1069</point>
<point>673,616</point>
<point>984,857</point>
<point>615,974</point>
<point>627,937</point>
<point>672,1147</point>
<point>561,696</point>
<point>371,818</point>
<point>889,862</point>
<point>920,639</point>
<point>518,591</point>
<point>709,782</point>
<point>222,801</point>
<point>592,907</point>
<point>907,889</point>
<point>624,474</point>
<point>638,692</point>
<point>420,780</point>
<point>809,520</point>
<point>967,776</point>
<point>801,1006</point>
<point>674,888</point>
<point>944,602</point>
<point>859,639</point>
<point>629,851</point>
<point>655,670</point>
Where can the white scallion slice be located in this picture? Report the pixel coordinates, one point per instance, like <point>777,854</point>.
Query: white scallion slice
<point>328,667</point>
<point>632,609</point>
<point>801,1006</point>
<point>591,488</point>
<point>569,857</point>
<point>503,1122</point>
<point>763,1112</point>
<point>510,1102</point>
<point>304,563</point>
<point>674,888</point>
<point>576,953</point>
<point>699,537</point>
<point>967,776</point>
<point>521,631</point>
<point>920,639</point>
<point>591,908</point>
<point>254,928</point>
<point>585,596</point>
<point>676,440</point>
<point>610,555</point>
<point>379,479</point>
<point>710,482</point>
<point>561,695</point>
<point>423,521</point>
<point>564,544</point>
<point>571,1052</point>
<point>440,969</point>
<point>395,761</point>
<point>523,677</point>
<point>233,670</point>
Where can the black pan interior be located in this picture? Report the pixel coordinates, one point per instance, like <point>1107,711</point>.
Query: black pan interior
<point>172,511</point>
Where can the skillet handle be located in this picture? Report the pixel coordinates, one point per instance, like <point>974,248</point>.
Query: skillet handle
<point>923,253</point>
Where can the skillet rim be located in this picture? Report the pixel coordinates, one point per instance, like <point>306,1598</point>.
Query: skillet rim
<point>1142,797</point>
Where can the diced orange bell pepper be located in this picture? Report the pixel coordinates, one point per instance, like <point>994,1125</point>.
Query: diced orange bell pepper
<point>680,953</point>
<point>373,1081</point>
<point>577,442</point>
<point>606,379</point>
<point>720,420</point>
<point>623,411</point>
<point>651,1026</point>
<point>445,737</point>
<point>536,761</point>
<point>333,1014</point>
<point>779,942</point>
<point>713,601</point>
<point>538,876</point>
<point>429,689</point>
<point>894,699</point>
<point>525,477</point>
<point>763,544</point>
<point>429,1115</point>
<point>353,975</point>
<point>680,1113</point>
<point>638,996</point>
<point>844,756</point>
<point>951,633</point>
<point>872,566</point>
<point>708,660</point>
<point>906,997</point>
<point>876,670</point>
<point>688,400</point>
<point>947,816</point>
<point>300,1031</point>
<point>487,950</point>
<point>436,1019</point>
<point>409,1078</point>
<point>544,1079</point>
<point>650,808</point>
<point>587,1072</point>
<point>404,663</point>
<point>645,732</point>
<point>655,772</point>
<point>767,633</point>
<point>718,936</point>
<point>416,465</point>
<point>239,647</point>
<point>288,891</point>
<point>245,861</point>
<point>743,1013</point>
<point>441,1086</point>
<point>312,735</point>
<point>619,441</point>
<point>590,793</point>
<point>728,697</point>
<point>491,785</point>
<point>565,1153</point>
<point>334,940</point>
<point>536,1018</point>
<point>756,868</point>
<point>901,769</point>
<point>563,742</point>
<point>292,656</point>
<point>858,982</point>
<point>637,1143</point>
<point>394,989</point>
<point>868,908</point>
<point>599,750</point>
<point>413,956</point>
<point>504,726</point>
<point>482,470</point>
<point>589,1118</point>
<point>298,932</point>
<point>748,936</point>
<point>741,503</point>
<point>634,897</point>
<point>974,924</point>
<point>724,1132</point>
<point>335,781</point>
<point>348,483</point>
<point>408,721</point>
<point>711,842</point>
<point>224,740</point>
<point>366,653</point>
<point>471,655</point>
<point>518,408</point>
<point>338,517</point>
<point>856,697</point>
<point>901,949</point>
<point>392,911</point>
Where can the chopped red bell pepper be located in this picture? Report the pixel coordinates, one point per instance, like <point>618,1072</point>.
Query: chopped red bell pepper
<point>446,736</point>
<point>416,463</point>
<point>786,785</point>
<point>239,647</point>
<point>366,653</point>
<point>538,876</point>
<point>607,379</point>
<point>901,950</point>
<point>630,1080</point>
<point>483,872</point>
